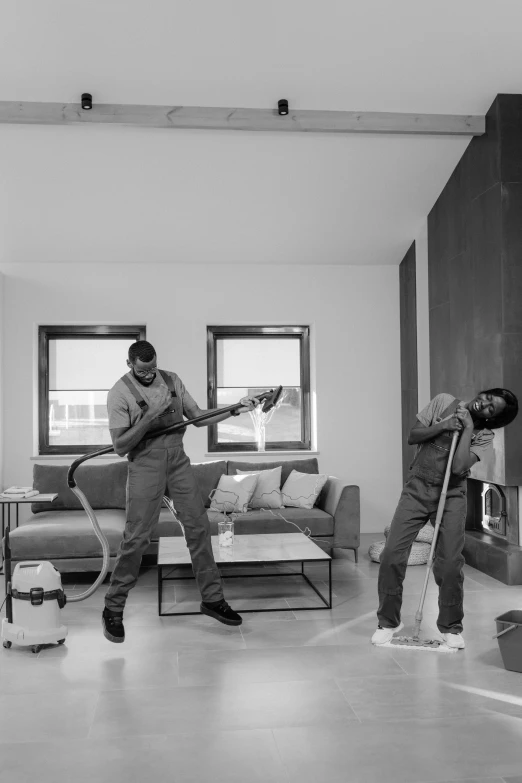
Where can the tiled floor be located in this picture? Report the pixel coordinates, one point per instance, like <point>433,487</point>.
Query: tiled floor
<point>289,696</point>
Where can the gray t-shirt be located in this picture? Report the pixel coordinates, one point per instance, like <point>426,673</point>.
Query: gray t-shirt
<point>480,440</point>
<point>124,411</point>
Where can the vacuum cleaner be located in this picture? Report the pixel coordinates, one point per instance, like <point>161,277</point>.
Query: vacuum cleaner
<point>34,592</point>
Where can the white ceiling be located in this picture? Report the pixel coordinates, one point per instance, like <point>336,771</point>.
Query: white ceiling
<point>203,196</point>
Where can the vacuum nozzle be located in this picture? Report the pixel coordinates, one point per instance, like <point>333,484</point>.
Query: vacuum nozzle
<point>271,401</point>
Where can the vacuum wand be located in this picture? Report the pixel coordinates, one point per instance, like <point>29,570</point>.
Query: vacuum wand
<point>269,398</point>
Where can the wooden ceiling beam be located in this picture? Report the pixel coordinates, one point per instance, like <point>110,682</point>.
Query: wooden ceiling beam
<point>201,118</point>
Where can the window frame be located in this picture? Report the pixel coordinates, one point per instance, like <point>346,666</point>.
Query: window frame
<point>301,333</point>
<point>69,332</point>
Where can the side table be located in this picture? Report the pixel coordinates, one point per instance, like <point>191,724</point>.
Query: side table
<point>8,502</point>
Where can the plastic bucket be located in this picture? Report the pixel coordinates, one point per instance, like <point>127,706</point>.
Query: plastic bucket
<point>509,635</point>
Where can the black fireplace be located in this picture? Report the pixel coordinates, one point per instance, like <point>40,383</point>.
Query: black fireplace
<point>494,514</point>
<point>492,531</point>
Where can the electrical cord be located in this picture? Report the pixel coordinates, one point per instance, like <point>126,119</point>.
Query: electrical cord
<point>231,515</point>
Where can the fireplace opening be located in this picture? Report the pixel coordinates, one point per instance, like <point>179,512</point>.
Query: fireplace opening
<point>494,515</point>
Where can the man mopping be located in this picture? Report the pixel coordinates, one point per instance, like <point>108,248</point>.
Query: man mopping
<point>474,422</point>
<point>143,400</point>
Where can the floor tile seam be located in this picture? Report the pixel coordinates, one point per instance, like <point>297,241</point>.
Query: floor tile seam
<point>194,648</point>
<point>345,697</point>
<point>197,732</point>
<point>400,667</point>
<point>103,690</point>
<point>58,742</point>
<point>488,716</point>
<point>421,719</point>
<point>488,779</point>
<point>247,683</point>
<point>70,692</point>
<point>93,720</point>
<point>287,647</point>
<point>61,690</point>
<point>219,687</point>
<point>280,756</point>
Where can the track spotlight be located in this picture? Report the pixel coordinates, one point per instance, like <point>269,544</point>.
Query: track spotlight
<point>86,101</point>
<point>282,107</point>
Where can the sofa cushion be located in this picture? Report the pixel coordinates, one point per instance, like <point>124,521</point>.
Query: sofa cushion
<point>208,475</point>
<point>103,485</point>
<point>319,522</point>
<point>267,493</point>
<point>301,490</point>
<point>67,534</point>
<point>308,465</point>
<point>234,493</point>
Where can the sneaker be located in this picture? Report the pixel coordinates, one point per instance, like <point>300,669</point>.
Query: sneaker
<point>454,640</point>
<point>113,629</point>
<point>383,635</point>
<point>221,611</point>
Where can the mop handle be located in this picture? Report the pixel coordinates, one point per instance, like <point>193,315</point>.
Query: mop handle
<point>438,520</point>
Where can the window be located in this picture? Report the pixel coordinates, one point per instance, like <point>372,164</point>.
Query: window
<point>249,359</point>
<point>77,367</point>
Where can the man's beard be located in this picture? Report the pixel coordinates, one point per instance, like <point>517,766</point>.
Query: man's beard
<point>143,381</point>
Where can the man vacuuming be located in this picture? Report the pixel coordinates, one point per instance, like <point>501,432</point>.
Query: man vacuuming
<point>474,421</point>
<point>143,400</point>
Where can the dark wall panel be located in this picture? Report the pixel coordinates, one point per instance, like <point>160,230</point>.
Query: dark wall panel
<point>440,347</point>
<point>459,353</point>
<point>509,123</point>
<point>475,277</point>
<point>511,199</point>
<point>408,341</point>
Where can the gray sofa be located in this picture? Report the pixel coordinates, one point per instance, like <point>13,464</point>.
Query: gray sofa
<point>61,531</point>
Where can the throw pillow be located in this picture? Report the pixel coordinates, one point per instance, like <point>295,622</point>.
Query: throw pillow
<point>267,493</point>
<point>301,490</point>
<point>233,494</point>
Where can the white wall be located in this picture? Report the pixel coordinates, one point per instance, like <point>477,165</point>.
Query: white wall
<point>353,312</point>
<point>1,383</point>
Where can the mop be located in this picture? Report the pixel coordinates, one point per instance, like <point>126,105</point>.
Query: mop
<point>414,642</point>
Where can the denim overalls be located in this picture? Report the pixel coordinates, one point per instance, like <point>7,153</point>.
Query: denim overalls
<point>159,467</point>
<point>418,503</point>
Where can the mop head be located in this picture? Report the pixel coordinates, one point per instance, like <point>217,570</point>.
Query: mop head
<point>435,645</point>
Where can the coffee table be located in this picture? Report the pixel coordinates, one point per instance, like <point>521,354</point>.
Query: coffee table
<point>259,549</point>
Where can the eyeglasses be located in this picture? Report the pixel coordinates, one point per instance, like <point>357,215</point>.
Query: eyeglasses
<point>144,373</point>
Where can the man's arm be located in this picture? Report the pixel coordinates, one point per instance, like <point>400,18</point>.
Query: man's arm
<point>248,404</point>
<point>125,439</point>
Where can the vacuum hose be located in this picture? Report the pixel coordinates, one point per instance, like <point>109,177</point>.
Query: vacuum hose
<point>105,548</point>
<point>269,398</point>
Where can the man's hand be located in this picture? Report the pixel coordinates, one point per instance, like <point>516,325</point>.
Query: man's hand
<point>465,417</point>
<point>248,404</point>
<point>159,405</point>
